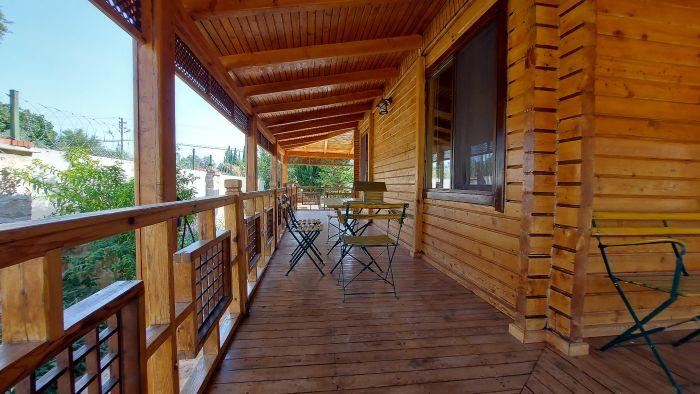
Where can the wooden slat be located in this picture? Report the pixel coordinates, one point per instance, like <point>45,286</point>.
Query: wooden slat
<point>284,138</point>
<point>309,140</point>
<point>322,114</point>
<point>202,9</point>
<point>315,82</point>
<point>313,124</point>
<point>319,102</point>
<point>680,216</point>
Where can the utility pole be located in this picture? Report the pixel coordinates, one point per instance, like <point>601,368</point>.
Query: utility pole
<point>122,126</point>
<point>14,113</point>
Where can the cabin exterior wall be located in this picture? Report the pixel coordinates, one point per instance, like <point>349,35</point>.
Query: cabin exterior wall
<point>602,114</point>
<point>646,150</point>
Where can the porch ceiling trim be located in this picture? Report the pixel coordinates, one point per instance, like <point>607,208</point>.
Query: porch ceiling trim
<point>313,124</point>
<point>322,114</point>
<point>310,140</point>
<point>204,9</point>
<point>323,51</point>
<point>320,130</point>
<point>319,102</point>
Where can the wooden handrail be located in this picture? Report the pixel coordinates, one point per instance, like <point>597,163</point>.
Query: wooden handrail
<point>18,361</point>
<point>31,272</point>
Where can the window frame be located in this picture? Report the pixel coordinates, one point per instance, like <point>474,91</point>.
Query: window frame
<point>364,156</point>
<point>496,196</point>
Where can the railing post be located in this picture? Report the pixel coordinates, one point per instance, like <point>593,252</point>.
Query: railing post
<point>133,346</point>
<point>32,300</point>
<point>233,217</point>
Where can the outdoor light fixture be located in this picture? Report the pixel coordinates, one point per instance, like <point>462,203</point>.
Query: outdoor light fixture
<point>384,106</point>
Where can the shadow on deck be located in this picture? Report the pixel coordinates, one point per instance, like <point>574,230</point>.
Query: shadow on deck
<point>437,337</point>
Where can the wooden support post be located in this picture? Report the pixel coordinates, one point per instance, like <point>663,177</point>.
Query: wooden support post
<point>251,156</point>
<point>370,148</point>
<point>420,159</point>
<point>233,217</point>
<point>285,167</point>
<point>155,180</point>
<point>206,224</point>
<point>32,300</point>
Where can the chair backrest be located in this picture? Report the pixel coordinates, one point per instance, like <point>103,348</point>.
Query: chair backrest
<point>640,224</point>
<point>370,191</point>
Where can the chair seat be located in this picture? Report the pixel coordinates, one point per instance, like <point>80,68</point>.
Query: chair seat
<point>367,240</point>
<point>308,227</point>
<point>309,221</point>
<point>689,287</point>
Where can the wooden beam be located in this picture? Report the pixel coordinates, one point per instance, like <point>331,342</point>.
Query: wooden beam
<point>320,130</point>
<point>203,9</point>
<point>251,156</point>
<point>311,124</point>
<point>324,51</point>
<point>326,113</point>
<point>315,82</point>
<point>319,102</point>
<point>154,170</point>
<point>319,155</point>
<point>310,140</point>
<point>419,159</point>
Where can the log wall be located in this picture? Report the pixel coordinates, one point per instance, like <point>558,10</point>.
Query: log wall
<point>602,114</point>
<point>647,141</point>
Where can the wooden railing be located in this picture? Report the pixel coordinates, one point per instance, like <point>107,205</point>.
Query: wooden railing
<point>311,195</point>
<point>105,343</point>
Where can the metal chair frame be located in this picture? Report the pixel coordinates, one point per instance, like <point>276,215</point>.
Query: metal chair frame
<point>391,246</point>
<point>638,329</point>
<point>304,239</point>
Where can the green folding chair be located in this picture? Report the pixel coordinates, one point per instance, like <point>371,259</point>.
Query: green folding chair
<point>676,284</point>
<point>352,239</point>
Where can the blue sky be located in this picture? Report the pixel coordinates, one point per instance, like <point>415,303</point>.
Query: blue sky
<point>74,65</point>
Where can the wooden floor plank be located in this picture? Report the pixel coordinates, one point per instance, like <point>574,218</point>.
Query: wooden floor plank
<point>436,337</point>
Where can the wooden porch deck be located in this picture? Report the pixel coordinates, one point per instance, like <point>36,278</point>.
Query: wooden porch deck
<point>437,337</point>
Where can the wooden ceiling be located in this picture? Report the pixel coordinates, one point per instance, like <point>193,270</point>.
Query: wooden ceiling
<point>310,68</point>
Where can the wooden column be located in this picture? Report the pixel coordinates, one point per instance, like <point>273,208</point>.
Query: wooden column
<point>370,148</point>
<point>420,158</point>
<point>233,217</point>
<point>285,168</point>
<point>273,168</point>
<point>251,156</point>
<point>356,154</point>
<point>155,180</point>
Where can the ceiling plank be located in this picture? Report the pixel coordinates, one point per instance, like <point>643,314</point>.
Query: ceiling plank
<point>315,82</point>
<point>310,140</point>
<point>202,9</point>
<point>323,51</point>
<point>319,102</point>
<point>320,130</point>
<point>310,124</point>
<point>322,114</point>
<point>319,155</point>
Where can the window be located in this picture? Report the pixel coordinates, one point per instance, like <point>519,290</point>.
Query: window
<point>466,117</point>
<point>364,157</point>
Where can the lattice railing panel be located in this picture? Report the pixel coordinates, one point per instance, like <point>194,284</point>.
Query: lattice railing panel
<point>193,71</point>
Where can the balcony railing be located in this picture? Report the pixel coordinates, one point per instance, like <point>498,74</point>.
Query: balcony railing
<point>310,196</point>
<point>104,343</point>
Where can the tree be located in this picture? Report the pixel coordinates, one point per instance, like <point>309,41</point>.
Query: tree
<point>79,139</point>
<point>264,168</point>
<point>87,186</point>
<point>336,176</point>
<point>33,127</point>
<point>3,25</point>
<point>304,175</point>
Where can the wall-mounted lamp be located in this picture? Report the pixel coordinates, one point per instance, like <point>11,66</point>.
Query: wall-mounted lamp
<point>383,106</point>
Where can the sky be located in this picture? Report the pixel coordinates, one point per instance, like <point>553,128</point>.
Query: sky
<point>74,65</point>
